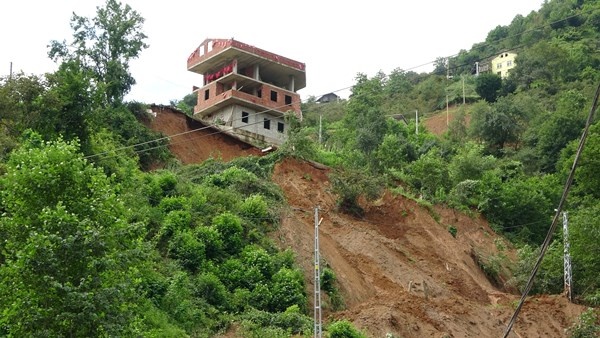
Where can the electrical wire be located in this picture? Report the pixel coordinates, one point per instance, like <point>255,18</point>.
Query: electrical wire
<point>552,229</point>
<point>335,91</point>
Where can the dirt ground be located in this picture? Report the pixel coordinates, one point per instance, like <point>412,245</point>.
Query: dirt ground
<point>197,143</point>
<point>398,243</point>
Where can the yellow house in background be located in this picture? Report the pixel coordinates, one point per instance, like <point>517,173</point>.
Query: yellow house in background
<point>503,63</point>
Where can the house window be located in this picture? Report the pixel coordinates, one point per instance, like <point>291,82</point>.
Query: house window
<point>499,65</point>
<point>499,73</point>
<point>273,95</point>
<point>267,123</point>
<point>245,117</point>
<point>288,99</point>
<point>206,94</point>
<point>508,63</point>
<point>259,93</point>
<point>280,127</point>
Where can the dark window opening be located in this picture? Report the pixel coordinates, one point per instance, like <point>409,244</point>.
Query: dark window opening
<point>288,99</point>
<point>259,93</point>
<point>206,94</point>
<point>273,95</point>
<point>280,127</point>
<point>267,123</point>
<point>245,117</point>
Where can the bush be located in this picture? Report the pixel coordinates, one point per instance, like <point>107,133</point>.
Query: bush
<point>452,230</point>
<point>187,250</point>
<point>343,329</point>
<point>169,204</point>
<point>350,184</point>
<point>210,288</point>
<point>230,228</point>
<point>288,290</point>
<point>587,326</point>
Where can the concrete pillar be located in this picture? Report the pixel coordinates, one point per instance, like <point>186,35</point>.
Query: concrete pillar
<point>257,72</point>
<point>292,85</point>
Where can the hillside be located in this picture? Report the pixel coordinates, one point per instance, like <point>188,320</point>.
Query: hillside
<point>195,147</point>
<point>397,243</point>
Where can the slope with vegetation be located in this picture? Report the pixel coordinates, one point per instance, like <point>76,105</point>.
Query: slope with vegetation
<point>93,245</point>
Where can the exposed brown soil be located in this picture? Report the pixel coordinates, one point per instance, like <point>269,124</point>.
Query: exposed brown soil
<point>397,243</point>
<point>198,143</point>
<point>400,243</point>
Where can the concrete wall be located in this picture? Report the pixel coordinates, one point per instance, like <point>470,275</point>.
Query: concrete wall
<point>231,119</point>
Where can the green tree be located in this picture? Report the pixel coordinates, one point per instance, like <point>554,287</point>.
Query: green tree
<point>429,174</point>
<point>365,116</point>
<point>70,260</point>
<point>469,163</point>
<point>487,86</point>
<point>105,45</point>
<point>499,124</point>
<point>19,107</point>
<point>559,128</point>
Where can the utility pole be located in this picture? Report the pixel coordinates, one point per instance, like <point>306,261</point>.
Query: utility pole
<point>318,333</point>
<point>463,81</point>
<point>476,68</point>
<point>447,78</point>
<point>567,258</point>
<point>417,121</point>
<point>10,73</point>
<point>320,127</point>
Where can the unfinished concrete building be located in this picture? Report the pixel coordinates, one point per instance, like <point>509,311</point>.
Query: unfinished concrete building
<point>246,90</point>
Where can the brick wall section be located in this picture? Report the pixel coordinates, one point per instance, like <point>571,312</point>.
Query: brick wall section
<point>217,94</point>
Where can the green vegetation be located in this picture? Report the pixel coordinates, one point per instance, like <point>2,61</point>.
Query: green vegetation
<point>93,245</point>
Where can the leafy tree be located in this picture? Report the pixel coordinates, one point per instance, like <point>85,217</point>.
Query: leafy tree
<point>559,128</point>
<point>440,66</point>
<point>499,124</point>
<point>429,174</point>
<point>67,107</point>
<point>19,107</point>
<point>288,290</point>
<point>469,163</point>
<point>364,116</point>
<point>69,257</point>
<point>584,234</point>
<point>230,228</point>
<point>105,45</point>
<point>487,86</point>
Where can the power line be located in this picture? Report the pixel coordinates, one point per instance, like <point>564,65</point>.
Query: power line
<point>335,91</point>
<point>563,199</point>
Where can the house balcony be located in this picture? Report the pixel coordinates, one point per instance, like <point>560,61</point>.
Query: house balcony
<point>213,53</point>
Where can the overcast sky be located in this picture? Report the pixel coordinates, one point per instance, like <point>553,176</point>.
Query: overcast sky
<point>335,39</point>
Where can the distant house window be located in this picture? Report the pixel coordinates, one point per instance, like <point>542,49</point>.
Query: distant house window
<point>499,65</point>
<point>288,99</point>
<point>280,127</point>
<point>245,117</point>
<point>259,93</point>
<point>273,95</point>
<point>206,94</point>
<point>267,123</point>
<point>508,63</point>
<point>499,73</point>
